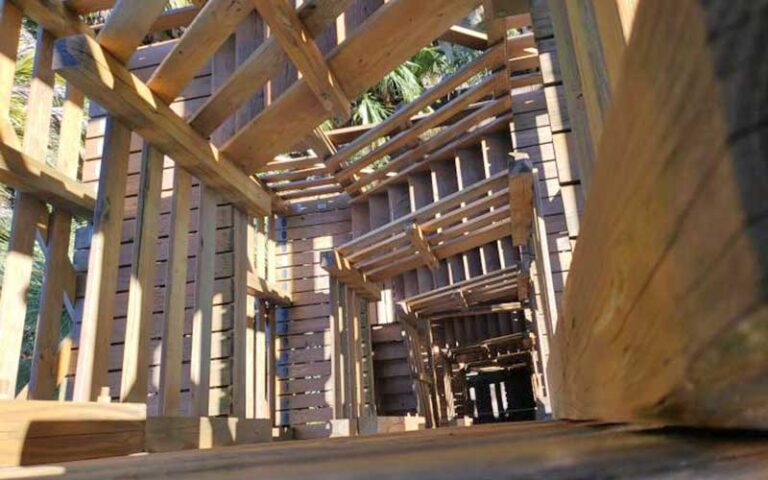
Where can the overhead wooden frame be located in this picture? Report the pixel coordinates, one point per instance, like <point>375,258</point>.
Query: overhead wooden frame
<point>494,288</point>
<point>300,47</point>
<point>339,268</point>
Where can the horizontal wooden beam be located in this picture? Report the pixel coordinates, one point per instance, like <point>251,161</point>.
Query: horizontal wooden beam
<point>260,288</point>
<point>339,268</point>
<point>82,61</point>
<point>23,173</point>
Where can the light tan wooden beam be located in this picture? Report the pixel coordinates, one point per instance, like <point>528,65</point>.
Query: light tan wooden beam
<point>466,37</point>
<point>300,47</point>
<point>210,29</point>
<point>477,311</point>
<point>23,173</point>
<point>83,62</point>
<point>489,60</point>
<point>520,201</point>
<point>263,64</point>
<point>133,381</point>
<point>338,267</point>
<point>101,281</point>
<point>416,236</point>
<point>55,17</point>
<point>265,289</point>
<point>357,66</point>
<point>127,24</point>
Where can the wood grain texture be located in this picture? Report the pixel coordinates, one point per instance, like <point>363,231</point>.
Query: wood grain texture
<point>673,240</point>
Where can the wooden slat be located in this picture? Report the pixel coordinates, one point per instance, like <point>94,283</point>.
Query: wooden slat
<point>488,60</point>
<point>133,386</point>
<point>82,61</point>
<point>298,44</point>
<point>176,283</point>
<point>520,201</point>
<point>264,64</point>
<point>339,267</point>
<point>101,282</point>
<point>357,67</point>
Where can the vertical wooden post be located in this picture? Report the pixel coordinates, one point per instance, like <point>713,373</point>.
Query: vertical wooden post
<point>27,209</point>
<point>260,361</point>
<point>202,318</point>
<point>101,282</point>
<point>272,385</point>
<point>133,384</point>
<point>175,295</point>
<point>337,359</point>
<point>43,378</point>
<point>243,335</point>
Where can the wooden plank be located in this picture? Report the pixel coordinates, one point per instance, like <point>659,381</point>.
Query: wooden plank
<point>520,201</point>
<point>44,374</point>
<point>39,432</point>
<point>133,386</point>
<point>211,28</point>
<point>337,266</point>
<point>262,65</point>
<point>243,405</point>
<point>489,60</point>
<point>82,61</point>
<point>356,66</point>
<point>298,44</point>
<point>647,250</point>
<point>126,26</point>
<point>176,282</point>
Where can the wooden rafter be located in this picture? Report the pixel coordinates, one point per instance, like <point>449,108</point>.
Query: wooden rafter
<point>300,47</point>
<point>356,65</point>
<point>338,267</point>
<point>261,66</point>
<point>81,60</point>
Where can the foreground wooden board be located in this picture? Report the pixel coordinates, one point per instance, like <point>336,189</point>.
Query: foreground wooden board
<point>666,307</point>
<point>35,432</point>
<point>550,450</point>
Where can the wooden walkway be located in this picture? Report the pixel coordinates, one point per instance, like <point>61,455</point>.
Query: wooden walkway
<point>550,450</point>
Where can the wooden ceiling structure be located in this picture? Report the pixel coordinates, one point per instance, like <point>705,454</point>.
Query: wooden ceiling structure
<point>249,274</point>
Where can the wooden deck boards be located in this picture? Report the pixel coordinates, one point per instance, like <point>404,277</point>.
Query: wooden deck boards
<point>552,450</point>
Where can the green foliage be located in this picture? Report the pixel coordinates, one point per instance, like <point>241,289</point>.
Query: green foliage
<point>408,81</point>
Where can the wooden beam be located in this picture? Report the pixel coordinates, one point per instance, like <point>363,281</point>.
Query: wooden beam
<point>128,22</point>
<point>263,64</point>
<point>300,47</point>
<point>25,174</point>
<point>133,381</point>
<point>55,17</point>
<point>338,267</point>
<point>101,281</point>
<point>357,66</point>
<point>416,236</point>
<point>489,60</point>
<point>466,37</point>
<point>489,86</point>
<point>211,28</point>
<point>83,62</point>
<point>520,201</point>
<point>58,269</point>
<point>665,306</point>
<point>176,288</point>
<point>477,311</point>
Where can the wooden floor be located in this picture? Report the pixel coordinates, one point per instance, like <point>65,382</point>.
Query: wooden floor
<point>549,450</point>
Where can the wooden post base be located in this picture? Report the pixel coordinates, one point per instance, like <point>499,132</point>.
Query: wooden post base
<point>168,434</point>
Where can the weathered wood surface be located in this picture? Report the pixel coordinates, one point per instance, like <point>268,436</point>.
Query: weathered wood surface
<point>665,312</point>
<point>521,450</point>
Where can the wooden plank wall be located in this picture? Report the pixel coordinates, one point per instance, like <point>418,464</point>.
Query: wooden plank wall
<point>304,332</point>
<point>143,64</point>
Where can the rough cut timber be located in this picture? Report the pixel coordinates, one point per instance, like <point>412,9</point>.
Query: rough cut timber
<point>666,307</point>
<point>83,62</point>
